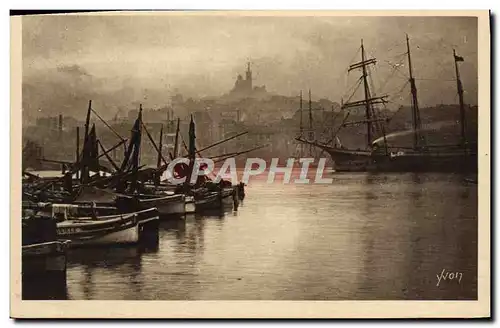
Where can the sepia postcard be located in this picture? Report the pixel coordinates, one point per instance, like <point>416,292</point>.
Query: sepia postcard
<point>250,164</point>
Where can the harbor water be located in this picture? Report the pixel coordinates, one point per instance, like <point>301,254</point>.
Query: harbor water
<point>362,237</point>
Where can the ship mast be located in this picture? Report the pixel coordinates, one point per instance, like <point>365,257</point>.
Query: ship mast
<point>414,101</point>
<point>310,116</point>
<point>460,91</point>
<point>369,100</point>
<point>367,96</point>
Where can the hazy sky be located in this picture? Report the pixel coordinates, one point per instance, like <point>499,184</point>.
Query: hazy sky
<point>201,55</point>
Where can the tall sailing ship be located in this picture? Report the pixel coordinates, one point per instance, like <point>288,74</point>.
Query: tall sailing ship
<point>379,155</point>
<point>307,149</point>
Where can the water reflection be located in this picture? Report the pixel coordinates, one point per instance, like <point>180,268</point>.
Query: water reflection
<point>97,273</point>
<point>365,236</point>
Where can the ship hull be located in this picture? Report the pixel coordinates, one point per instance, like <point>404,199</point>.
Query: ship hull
<point>446,162</point>
<point>345,160</point>
<point>410,161</point>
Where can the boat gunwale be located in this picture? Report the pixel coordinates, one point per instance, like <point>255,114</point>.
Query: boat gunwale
<point>109,218</point>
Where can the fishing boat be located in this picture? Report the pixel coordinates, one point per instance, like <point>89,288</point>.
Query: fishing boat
<point>173,204</point>
<point>105,230</point>
<point>206,201</point>
<point>63,212</point>
<point>209,200</point>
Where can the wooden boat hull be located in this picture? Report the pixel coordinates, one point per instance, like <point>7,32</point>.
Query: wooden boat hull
<point>166,205</point>
<point>190,206</point>
<point>111,230</point>
<point>44,270</point>
<point>43,258</point>
<point>214,200</point>
<point>128,235</point>
<point>69,210</point>
<point>207,201</point>
<point>227,196</point>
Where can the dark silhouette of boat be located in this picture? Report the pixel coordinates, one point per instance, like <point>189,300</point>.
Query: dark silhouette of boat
<point>380,156</point>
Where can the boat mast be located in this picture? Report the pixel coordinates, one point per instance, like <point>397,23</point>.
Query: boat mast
<point>367,96</point>
<point>85,158</point>
<point>77,149</point>
<point>176,142</point>
<point>311,132</point>
<point>460,91</point>
<point>160,145</point>
<point>369,101</point>
<point>310,116</point>
<point>301,127</point>
<point>191,149</point>
<point>159,159</point>
<point>137,150</point>
<point>333,121</point>
<point>301,124</point>
<point>414,101</point>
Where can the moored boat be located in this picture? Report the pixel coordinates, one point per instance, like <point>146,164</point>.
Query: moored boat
<point>106,230</point>
<point>43,270</point>
<point>44,258</point>
<point>68,211</point>
<point>209,200</point>
<point>165,204</point>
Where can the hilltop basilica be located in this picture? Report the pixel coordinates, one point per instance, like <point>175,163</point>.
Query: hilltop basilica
<point>243,88</point>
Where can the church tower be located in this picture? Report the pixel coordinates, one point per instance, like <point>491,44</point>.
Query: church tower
<point>249,78</point>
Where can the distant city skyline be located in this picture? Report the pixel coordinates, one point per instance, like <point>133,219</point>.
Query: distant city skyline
<point>123,60</point>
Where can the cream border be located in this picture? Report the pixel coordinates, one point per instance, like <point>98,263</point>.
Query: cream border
<point>264,309</point>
